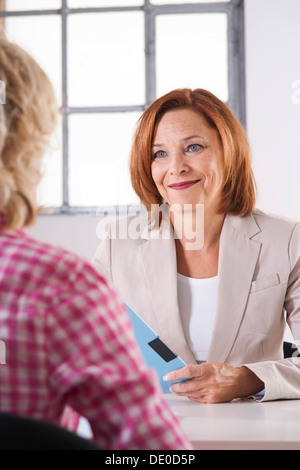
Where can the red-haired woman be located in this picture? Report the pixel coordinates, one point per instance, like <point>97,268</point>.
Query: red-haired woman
<point>216,278</point>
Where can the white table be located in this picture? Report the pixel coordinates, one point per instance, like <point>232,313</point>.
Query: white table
<point>239,425</point>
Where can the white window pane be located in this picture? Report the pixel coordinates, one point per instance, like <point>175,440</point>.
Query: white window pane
<point>104,3</point>
<point>168,2</point>
<point>106,59</point>
<point>33,33</point>
<point>32,4</point>
<point>195,58</point>
<point>50,191</point>
<point>99,159</point>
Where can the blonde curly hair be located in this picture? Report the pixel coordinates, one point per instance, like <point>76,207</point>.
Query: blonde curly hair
<point>28,116</point>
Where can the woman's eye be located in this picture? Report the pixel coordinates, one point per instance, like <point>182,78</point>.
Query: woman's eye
<point>194,147</point>
<point>160,154</point>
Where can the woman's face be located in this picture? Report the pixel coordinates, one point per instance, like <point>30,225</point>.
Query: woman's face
<point>186,160</point>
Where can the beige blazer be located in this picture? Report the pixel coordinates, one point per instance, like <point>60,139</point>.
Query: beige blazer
<point>258,291</point>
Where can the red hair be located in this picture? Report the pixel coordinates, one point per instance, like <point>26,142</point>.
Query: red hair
<point>238,185</point>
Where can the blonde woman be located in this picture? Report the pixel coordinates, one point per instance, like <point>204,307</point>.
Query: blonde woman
<point>68,340</point>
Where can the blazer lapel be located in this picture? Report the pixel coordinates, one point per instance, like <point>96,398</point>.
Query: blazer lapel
<point>160,270</point>
<point>237,260</point>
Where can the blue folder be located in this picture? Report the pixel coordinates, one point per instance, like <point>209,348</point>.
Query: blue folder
<point>156,353</point>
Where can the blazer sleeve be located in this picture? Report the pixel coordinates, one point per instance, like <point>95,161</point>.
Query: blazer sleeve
<point>282,378</point>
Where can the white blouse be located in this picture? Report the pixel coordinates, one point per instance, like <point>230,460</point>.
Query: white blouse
<point>197,305</point>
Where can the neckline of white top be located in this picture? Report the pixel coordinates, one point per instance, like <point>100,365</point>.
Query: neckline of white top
<point>192,280</point>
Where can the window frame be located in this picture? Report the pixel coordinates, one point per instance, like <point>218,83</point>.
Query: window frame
<point>236,72</point>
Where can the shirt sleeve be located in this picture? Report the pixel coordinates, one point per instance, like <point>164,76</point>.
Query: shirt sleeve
<point>95,364</point>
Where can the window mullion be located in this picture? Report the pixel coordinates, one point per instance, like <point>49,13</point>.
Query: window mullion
<point>104,109</point>
<point>150,53</point>
<point>191,8</point>
<point>65,118</point>
<point>2,8</point>
<point>236,55</point>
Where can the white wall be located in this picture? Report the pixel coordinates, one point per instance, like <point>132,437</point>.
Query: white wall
<point>75,233</point>
<point>273,122</point>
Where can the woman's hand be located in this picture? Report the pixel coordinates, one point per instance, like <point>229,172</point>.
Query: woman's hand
<point>214,382</point>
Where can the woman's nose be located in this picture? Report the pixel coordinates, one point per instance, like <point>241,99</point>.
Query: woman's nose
<point>177,165</point>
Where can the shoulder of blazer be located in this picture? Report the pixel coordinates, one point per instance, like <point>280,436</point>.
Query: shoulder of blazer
<point>278,233</point>
<point>259,222</point>
<point>276,224</point>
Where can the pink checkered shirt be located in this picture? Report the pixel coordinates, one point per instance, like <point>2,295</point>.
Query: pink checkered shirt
<point>68,341</point>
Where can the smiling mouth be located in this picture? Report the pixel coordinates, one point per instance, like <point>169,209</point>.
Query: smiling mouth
<point>183,185</point>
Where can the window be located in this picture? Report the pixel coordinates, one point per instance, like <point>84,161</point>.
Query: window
<point>108,60</point>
